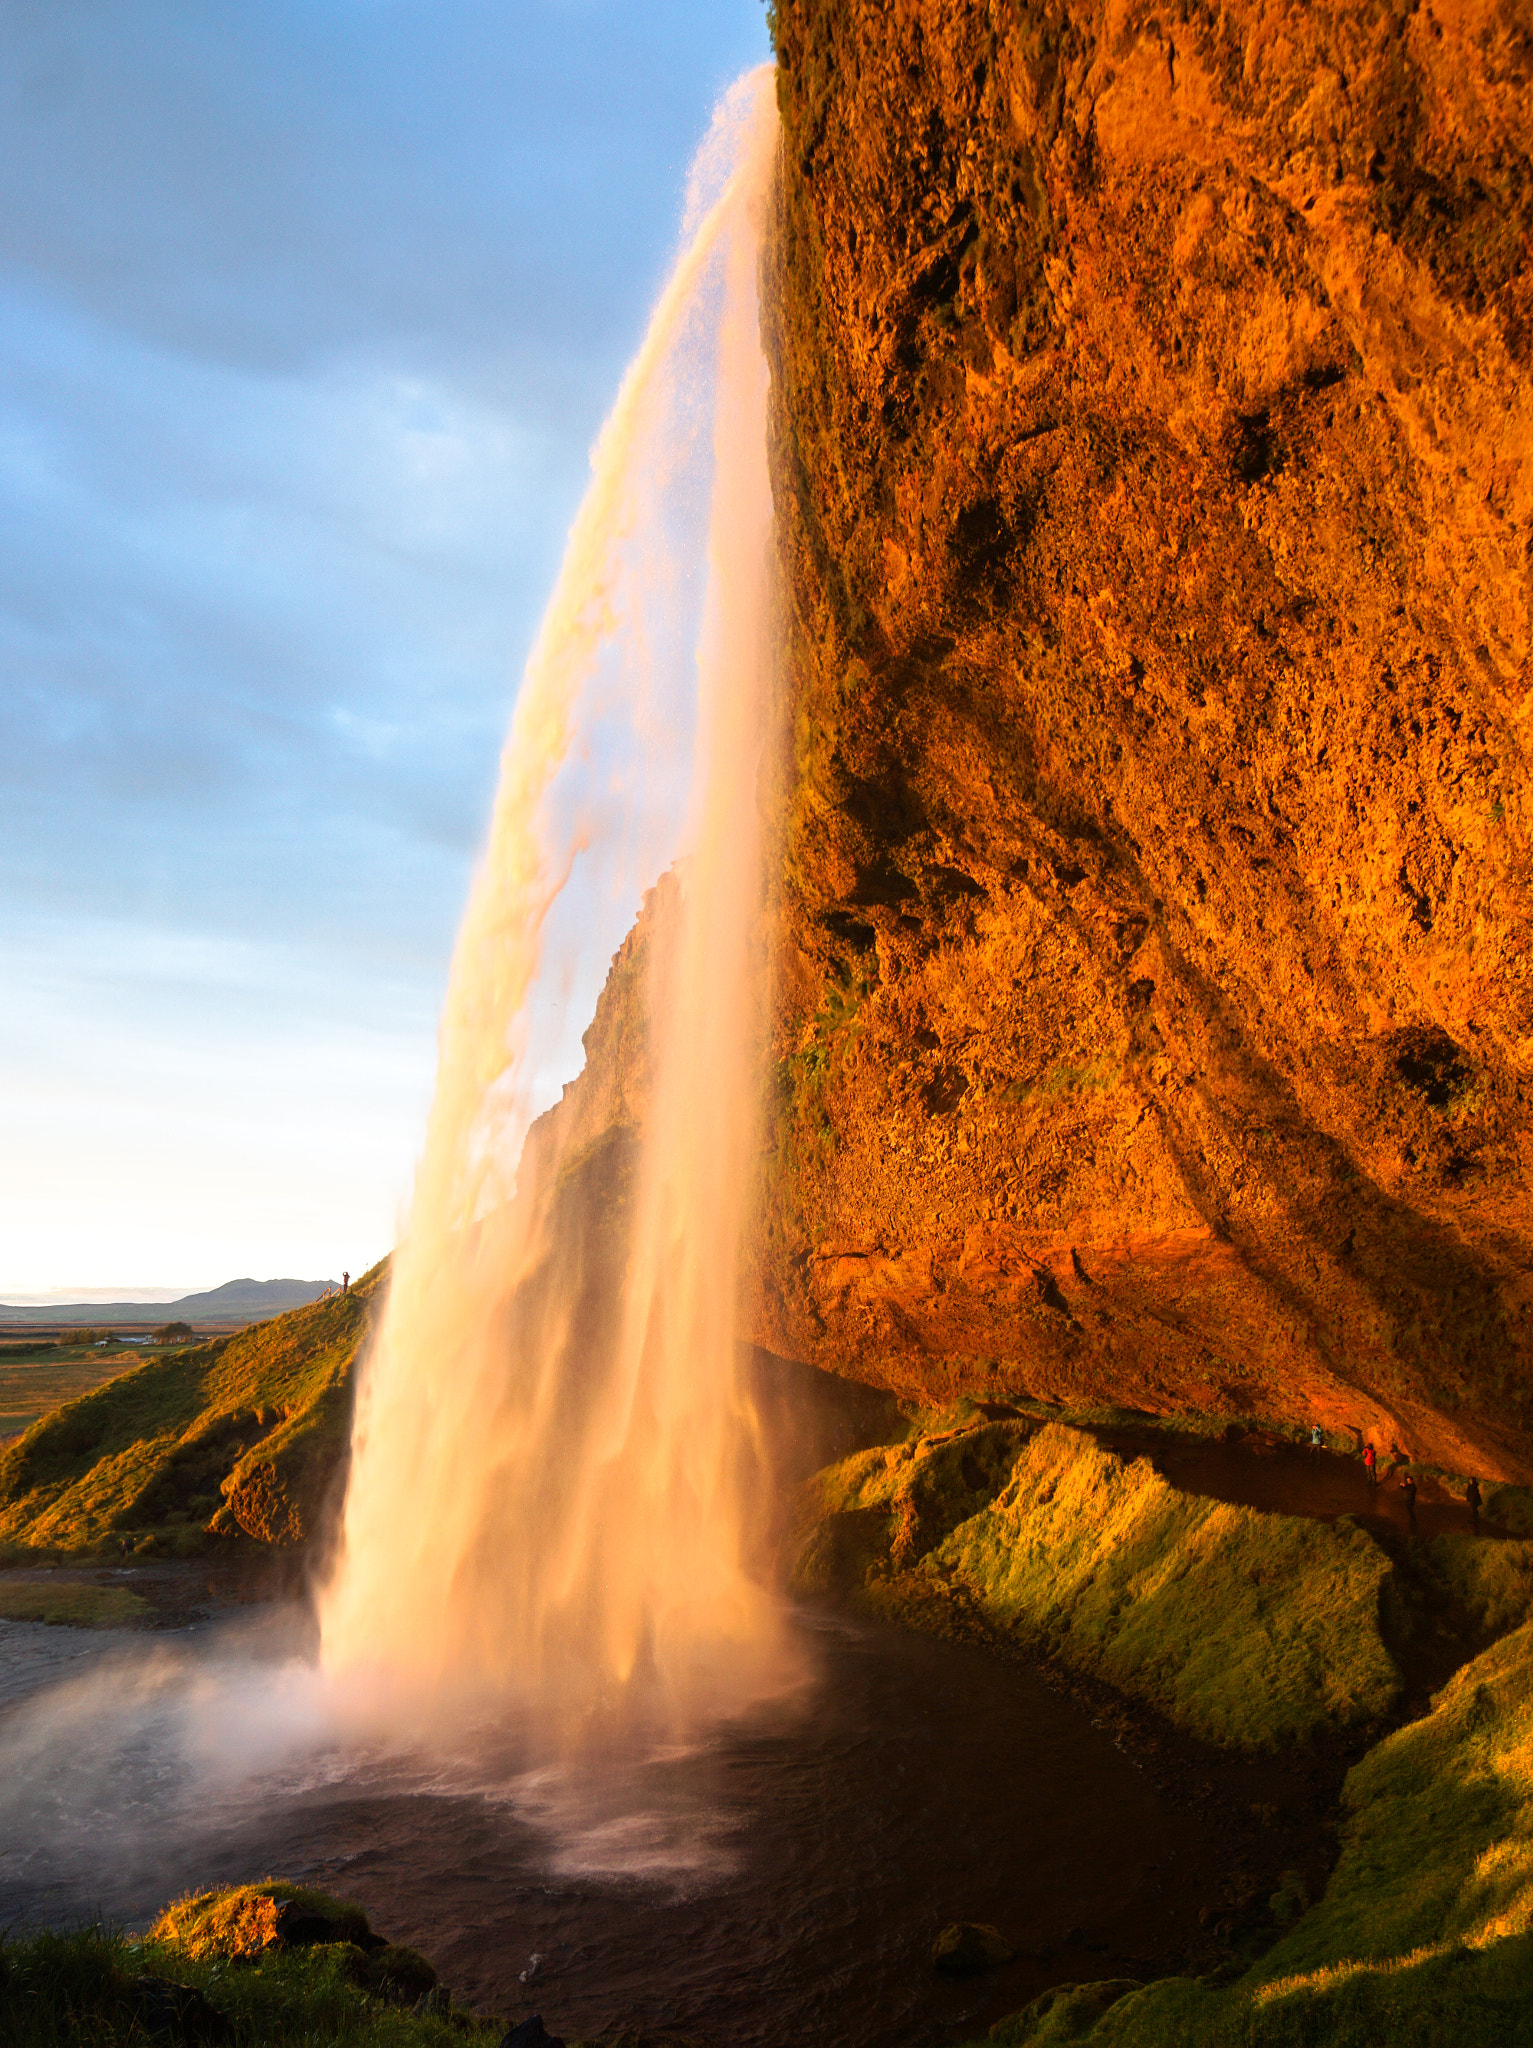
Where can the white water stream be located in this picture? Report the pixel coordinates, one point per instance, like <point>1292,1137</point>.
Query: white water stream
<point>546,1496</point>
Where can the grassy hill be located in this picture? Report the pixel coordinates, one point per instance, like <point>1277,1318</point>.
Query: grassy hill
<point>240,1437</point>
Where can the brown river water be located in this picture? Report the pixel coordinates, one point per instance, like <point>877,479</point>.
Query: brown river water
<point>781,1881</point>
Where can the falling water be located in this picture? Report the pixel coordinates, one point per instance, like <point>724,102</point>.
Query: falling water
<point>547,1492</point>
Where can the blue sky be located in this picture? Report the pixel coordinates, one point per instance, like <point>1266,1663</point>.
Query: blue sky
<point>309,314</point>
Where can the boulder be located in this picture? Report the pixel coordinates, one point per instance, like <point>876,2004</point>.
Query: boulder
<point>297,1925</point>
<point>969,1946</point>
<point>530,2033</point>
<point>245,1920</point>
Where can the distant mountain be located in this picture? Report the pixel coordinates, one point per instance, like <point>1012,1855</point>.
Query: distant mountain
<point>250,1298</point>
<point>237,1301</point>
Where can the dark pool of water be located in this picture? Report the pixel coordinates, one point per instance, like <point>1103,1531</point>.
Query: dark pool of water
<point>782,1883</point>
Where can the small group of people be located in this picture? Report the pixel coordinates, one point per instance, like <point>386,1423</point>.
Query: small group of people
<point>1472,1495</point>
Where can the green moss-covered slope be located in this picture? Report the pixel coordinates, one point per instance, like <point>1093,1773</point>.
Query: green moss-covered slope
<point>1246,1629</point>
<point>243,1436</point>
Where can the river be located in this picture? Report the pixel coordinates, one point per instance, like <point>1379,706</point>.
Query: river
<point>781,1881</point>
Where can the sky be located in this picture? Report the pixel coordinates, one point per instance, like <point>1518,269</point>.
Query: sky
<point>309,315</point>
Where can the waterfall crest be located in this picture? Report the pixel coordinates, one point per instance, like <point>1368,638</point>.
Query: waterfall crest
<point>546,1496</point>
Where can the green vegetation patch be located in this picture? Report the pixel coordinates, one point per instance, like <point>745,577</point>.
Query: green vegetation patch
<point>99,1989</point>
<point>1491,1582</point>
<point>270,1965</point>
<point>239,1436</point>
<point>69,1605</point>
<point>245,1920</point>
<point>1248,1629</point>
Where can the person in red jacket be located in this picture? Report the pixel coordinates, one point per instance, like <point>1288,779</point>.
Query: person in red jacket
<point>1371,1464</point>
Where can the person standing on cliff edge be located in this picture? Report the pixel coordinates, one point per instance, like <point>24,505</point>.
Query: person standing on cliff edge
<point>1408,1488</point>
<point>1371,1464</point>
<point>1316,1439</point>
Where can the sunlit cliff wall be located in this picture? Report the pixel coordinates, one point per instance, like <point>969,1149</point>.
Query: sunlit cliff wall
<point>1153,417</point>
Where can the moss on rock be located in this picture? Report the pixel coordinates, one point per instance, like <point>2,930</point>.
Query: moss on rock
<point>247,1920</point>
<point>1068,2012</point>
<point>1247,1629</point>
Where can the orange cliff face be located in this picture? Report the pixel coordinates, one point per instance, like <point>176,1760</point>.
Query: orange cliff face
<point>1153,452</point>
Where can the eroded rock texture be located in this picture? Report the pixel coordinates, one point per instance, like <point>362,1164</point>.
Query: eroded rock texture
<point>1152,450</point>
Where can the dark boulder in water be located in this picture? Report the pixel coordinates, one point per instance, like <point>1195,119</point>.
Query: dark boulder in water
<point>530,2033</point>
<point>969,1946</point>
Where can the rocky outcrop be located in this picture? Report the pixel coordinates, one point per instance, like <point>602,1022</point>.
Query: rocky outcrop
<point>1152,435</point>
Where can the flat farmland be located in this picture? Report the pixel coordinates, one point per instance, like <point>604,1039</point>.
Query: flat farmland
<point>35,1378</point>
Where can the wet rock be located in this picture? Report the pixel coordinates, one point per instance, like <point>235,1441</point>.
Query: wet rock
<point>166,2011</point>
<point>530,2033</point>
<point>969,1946</point>
<point>1066,2013</point>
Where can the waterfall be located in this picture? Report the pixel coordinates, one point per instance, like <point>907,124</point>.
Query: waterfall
<point>547,1489</point>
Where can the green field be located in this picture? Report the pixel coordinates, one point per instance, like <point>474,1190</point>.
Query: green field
<point>37,1378</point>
<point>68,1604</point>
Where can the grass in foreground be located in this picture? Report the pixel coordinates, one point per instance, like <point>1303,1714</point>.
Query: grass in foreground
<point>70,1606</point>
<point>85,1990</point>
<point>1247,1629</point>
<point>270,1965</point>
